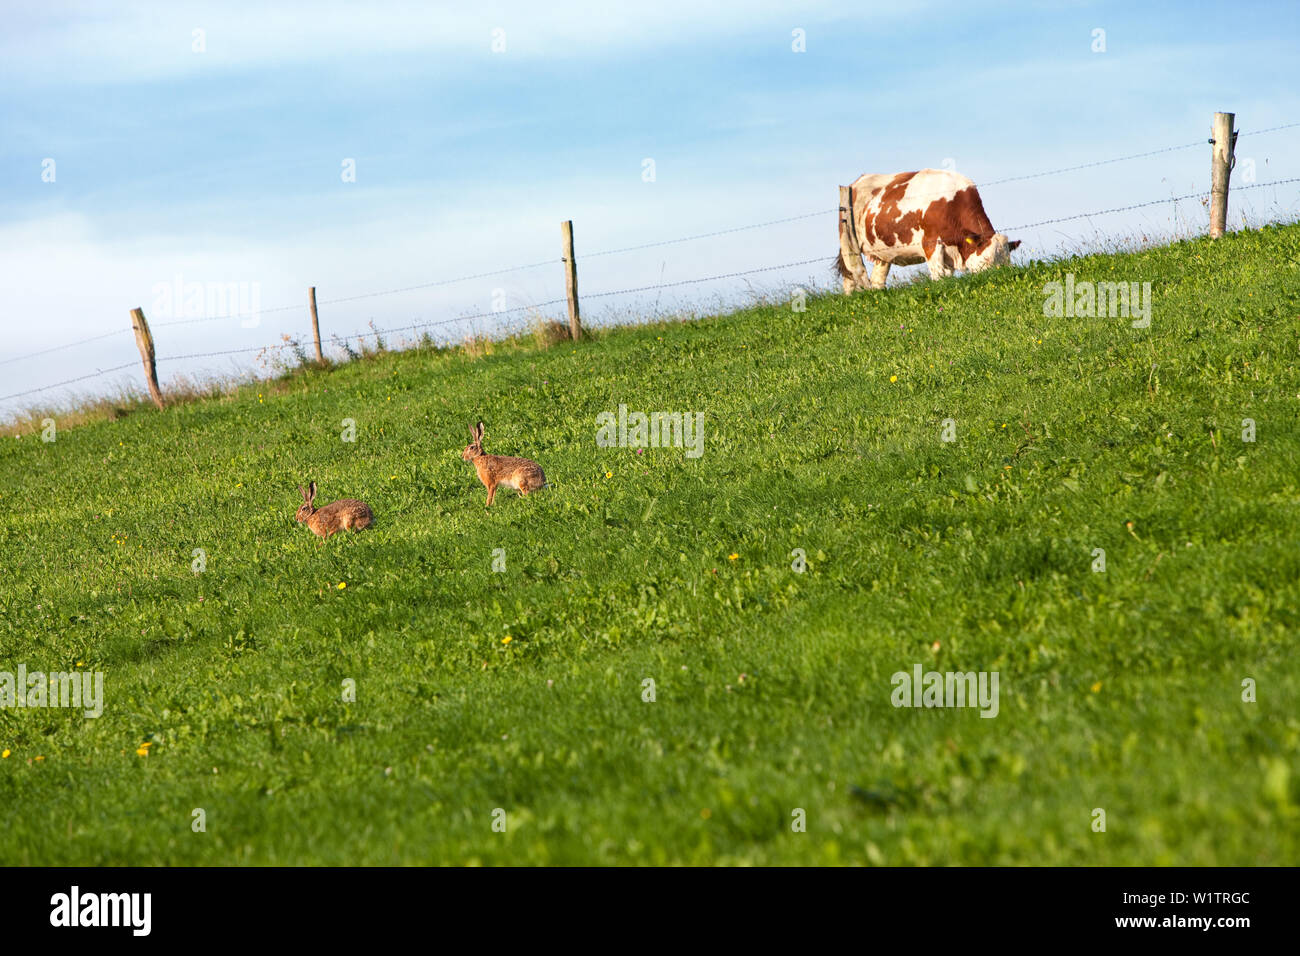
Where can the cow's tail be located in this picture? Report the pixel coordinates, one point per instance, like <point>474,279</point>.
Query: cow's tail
<point>841,266</point>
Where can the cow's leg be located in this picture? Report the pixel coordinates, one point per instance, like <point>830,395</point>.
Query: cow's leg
<point>879,274</point>
<point>938,262</point>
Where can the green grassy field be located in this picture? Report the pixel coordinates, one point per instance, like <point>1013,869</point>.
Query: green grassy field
<point>523,690</point>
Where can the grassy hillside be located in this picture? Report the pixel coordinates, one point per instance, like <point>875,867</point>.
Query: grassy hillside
<point>523,690</point>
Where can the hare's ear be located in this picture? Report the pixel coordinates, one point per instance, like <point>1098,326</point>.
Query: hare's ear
<point>480,431</point>
<point>311,492</point>
<point>302,491</point>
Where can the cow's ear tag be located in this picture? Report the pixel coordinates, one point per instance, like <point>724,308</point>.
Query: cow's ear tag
<point>969,239</point>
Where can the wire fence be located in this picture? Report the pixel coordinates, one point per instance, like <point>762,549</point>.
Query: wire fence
<point>1153,202</point>
<point>496,314</point>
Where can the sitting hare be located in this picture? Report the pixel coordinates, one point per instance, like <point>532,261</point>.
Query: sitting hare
<point>517,473</point>
<point>344,513</point>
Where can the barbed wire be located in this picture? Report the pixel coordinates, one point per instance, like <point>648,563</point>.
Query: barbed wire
<point>228,315</point>
<point>1103,212</point>
<point>441,282</point>
<point>1271,129</point>
<point>708,235</point>
<point>66,345</point>
<point>1120,159</point>
<point>1100,162</point>
<point>452,321</point>
<point>727,275</point>
<point>70,381</point>
<point>1141,205</point>
<point>244,351</point>
<point>1271,182</point>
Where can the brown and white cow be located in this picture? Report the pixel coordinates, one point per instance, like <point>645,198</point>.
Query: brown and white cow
<point>931,216</point>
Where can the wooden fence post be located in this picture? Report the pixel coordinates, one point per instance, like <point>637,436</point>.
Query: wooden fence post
<point>315,325</point>
<point>570,278</point>
<point>1222,159</point>
<point>846,210</point>
<point>144,340</point>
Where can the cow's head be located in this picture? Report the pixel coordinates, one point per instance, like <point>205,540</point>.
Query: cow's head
<point>996,253</point>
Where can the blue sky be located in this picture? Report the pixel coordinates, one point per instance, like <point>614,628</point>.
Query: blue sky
<point>224,165</point>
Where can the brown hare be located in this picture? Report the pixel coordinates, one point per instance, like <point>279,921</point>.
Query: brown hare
<point>517,473</point>
<point>344,513</point>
